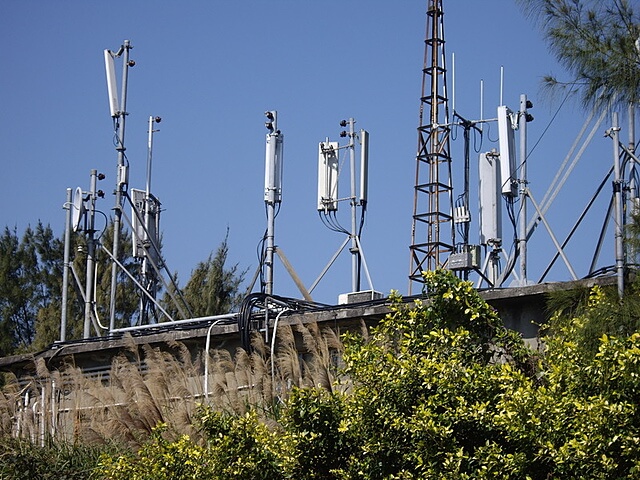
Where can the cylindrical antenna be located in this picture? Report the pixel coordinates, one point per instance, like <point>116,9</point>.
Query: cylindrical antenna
<point>481,104</point>
<point>150,153</point>
<point>272,190</point>
<point>501,82</point>
<point>453,81</point>
<point>364,166</point>
<point>273,160</point>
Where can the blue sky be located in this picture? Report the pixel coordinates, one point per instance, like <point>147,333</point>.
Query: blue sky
<point>211,68</point>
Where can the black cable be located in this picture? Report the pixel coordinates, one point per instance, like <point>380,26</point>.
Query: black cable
<point>322,216</point>
<point>362,215</point>
<point>512,217</point>
<point>453,131</point>
<point>333,217</point>
<point>489,136</point>
<point>261,251</point>
<point>601,271</point>
<point>477,147</point>
<point>331,222</point>
<point>261,254</point>
<point>263,301</point>
<point>106,224</point>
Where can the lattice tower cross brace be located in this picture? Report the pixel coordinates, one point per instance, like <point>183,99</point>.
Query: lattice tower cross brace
<point>433,231</point>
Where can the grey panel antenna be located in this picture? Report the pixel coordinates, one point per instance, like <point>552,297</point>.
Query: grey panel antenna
<point>112,87</point>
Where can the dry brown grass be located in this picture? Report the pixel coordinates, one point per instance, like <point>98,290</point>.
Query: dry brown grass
<point>146,386</point>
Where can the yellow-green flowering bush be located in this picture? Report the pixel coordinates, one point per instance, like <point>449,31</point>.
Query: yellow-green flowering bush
<point>439,390</point>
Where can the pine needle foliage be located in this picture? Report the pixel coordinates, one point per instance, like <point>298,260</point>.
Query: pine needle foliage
<point>600,312</point>
<point>213,286</point>
<point>595,40</point>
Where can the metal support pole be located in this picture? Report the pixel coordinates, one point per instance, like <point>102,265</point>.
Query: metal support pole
<point>522,240</point>
<point>65,271</point>
<point>617,191</point>
<point>353,234</point>
<point>148,278</point>
<point>270,249</point>
<point>495,264</point>
<point>152,119</point>
<point>121,180</point>
<point>558,182</point>
<point>147,207</point>
<point>328,266</point>
<point>137,284</point>
<point>355,251</point>
<point>366,269</point>
<point>91,248</point>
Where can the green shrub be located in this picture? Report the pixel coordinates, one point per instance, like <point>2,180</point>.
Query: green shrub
<point>241,446</point>
<point>320,447</point>
<point>439,390</point>
<point>158,459</point>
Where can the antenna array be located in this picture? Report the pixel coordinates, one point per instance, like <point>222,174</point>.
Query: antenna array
<point>328,196</point>
<point>118,110</point>
<point>144,225</point>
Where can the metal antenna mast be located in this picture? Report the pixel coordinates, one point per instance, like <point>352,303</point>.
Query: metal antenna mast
<point>119,115</point>
<point>272,189</point>
<point>65,273</point>
<point>273,199</point>
<point>328,198</point>
<point>89,296</point>
<point>432,232</point>
<point>150,234</point>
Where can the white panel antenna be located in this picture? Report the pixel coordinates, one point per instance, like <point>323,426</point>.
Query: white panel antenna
<point>490,214</point>
<point>77,209</point>
<point>328,176</point>
<point>112,87</point>
<point>273,168</point>
<point>328,173</point>
<point>507,152</point>
<point>364,166</point>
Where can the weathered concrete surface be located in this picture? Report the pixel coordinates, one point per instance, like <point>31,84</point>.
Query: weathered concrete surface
<point>522,309</point>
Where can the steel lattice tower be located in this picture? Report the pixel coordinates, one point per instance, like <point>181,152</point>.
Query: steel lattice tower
<point>432,232</point>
